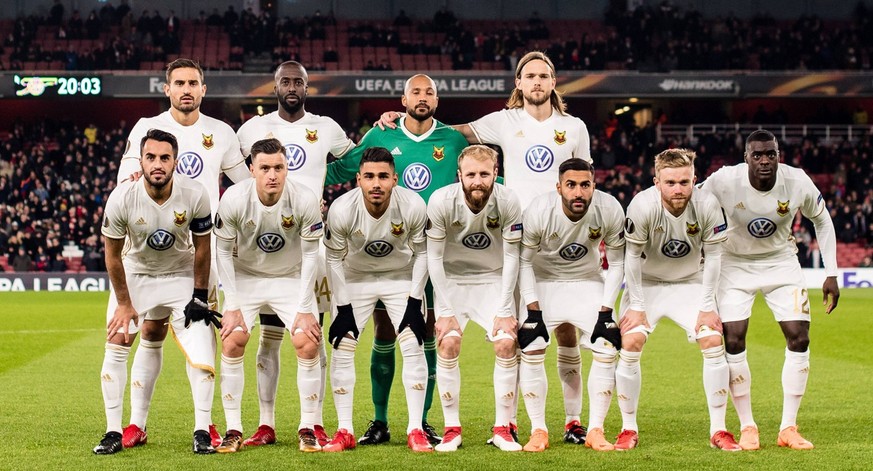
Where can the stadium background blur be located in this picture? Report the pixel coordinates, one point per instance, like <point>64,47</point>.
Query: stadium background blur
<point>59,154</point>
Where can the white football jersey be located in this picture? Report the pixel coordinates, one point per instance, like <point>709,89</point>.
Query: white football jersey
<point>761,222</point>
<point>158,236</point>
<point>372,245</point>
<point>570,251</point>
<point>672,246</point>
<point>533,150</point>
<point>307,142</point>
<point>474,242</point>
<point>268,237</point>
<point>206,149</point>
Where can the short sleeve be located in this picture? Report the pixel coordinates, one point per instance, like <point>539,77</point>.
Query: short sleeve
<point>488,127</point>
<point>114,216</point>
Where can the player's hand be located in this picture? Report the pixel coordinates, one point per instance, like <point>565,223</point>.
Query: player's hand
<point>505,325</point>
<point>830,288</point>
<point>631,319</point>
<point>446,324</point>
<point>306,323</point>
<point>414,319</point>
<point>709,320</point>
<point>229,323</point>
<point>531,328</point>
<point>134,176</point>
<point>387,120</point>
<point>344,323</point>
<point>198,310</point>
<point>120,322</point>
<point>607,328</point>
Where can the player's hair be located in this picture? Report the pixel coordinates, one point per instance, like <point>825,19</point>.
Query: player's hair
<point>270,145</point>
<point>674,158</point>
<point>761,135</point>
<point>516,99</point>
<point>160,136</point>
<point>292,64</point>
<point>575,164</point>
<point>377,154</point>
<point>409,80</point>
<point>182,63</point>
<point>478,152</point>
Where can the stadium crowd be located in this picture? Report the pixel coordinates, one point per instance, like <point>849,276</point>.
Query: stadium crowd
<point>55,177</point>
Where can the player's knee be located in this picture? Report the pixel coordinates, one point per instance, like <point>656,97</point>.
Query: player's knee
<point>504,348</point>
<point>712,340</point>
<point>633,342</point>
<point>540,351</point>
<point>234,345</point>
<point>566,335</point>
<point>304,346</point>
<point>430,324</point>
<point>734,344</point>
<point>154,330</point>
<point>449,347</point>
<point>798,342</point>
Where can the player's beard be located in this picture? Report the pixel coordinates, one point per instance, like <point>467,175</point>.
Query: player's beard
<point>292,109</point>
<point>478,202</point>
<point>677,205</point>
<point>157,184</point>
<point>568,204</point>
<point>187,107</point>
<point>537,101</point>
<point>420,117</point>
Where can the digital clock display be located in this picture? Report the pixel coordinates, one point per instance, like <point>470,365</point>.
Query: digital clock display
<point>57,86</point>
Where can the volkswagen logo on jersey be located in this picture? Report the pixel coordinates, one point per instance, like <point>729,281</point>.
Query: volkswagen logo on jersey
<point>378,248</point>
<point>161,240</point>
<point>573,252</point>
<point>190,164</point>
<point>539,158</point>
<point>271,242</point>
<point>761,228</point>
<point>416,177</point>
<point>676,248</point>
<point>477,241</point>
<point>295,156</point>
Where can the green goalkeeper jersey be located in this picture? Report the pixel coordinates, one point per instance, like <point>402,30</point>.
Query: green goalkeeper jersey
<point>423,162</point>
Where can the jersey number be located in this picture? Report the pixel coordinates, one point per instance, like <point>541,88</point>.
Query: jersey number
<point>322,289</point>
<point>801,301</point>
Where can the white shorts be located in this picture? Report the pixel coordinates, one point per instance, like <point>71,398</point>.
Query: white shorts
<point>160,297</point>
<point>782,284</point>
<point>569,302</point>
<point>477,301</point>
<point>679,302</point>
<point>162,313</point>
<point>364,294</point>
<point>279,296</point>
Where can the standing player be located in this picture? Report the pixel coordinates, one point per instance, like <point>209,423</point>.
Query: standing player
<point>668,230</point>
<point>761,198</point>
<point>157,252</point>
<point>207,147</point>
<point>376,252</point>
<point>308,139</point>
<point>426,154</point>
<point>536,134</point>
<point>474,230</point>
<point>268,231</point>
<point>559,260</point>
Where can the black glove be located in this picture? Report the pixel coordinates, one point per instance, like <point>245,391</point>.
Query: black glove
<point>531,328</point>
<point>198,310</point>
<point>342,324</point>
<point>607,328</point>
<point>414,319</point>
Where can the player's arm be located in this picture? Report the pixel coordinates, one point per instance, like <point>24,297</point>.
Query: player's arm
<point>468,132</point>
<point>202,259</point>
<point>344,169</point>
<point>635,315</point>
<point>233,162</point>
<point>305,321</point>
<point>233,318</point>
<point>827,242</point>
<point>526,277</point>
<point>583,147</point>
<point>505,320</point>
<point>708,317</point>
<point>130,163</point>
<point>125,312</point>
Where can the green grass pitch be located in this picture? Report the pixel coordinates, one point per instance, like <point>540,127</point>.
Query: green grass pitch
<point>51,408</point>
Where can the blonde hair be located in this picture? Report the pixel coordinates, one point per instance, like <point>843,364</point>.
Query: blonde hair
<point>674,158</point>
<point>516,98</point>
<point>479,153</point>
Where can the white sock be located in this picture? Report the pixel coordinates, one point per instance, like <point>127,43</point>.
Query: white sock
<point>601,383</point>
<point>308,385</point>
<point>534,388</point>
<point>628,380</point>
<point>570,374</point>
<point>113,379</point>
<point>795,372</point>
<point>147,363</point>
<point>716,380</point>
<point>741,387</point>
<point>505,387</point>
<point>414,378</point>
<point>322,360</point>
<point>233,380</point>
<point>203,391</point>
<point>514,418</point>
<point>342,382</point>
<point>269,367</point>
<point>449,384</point>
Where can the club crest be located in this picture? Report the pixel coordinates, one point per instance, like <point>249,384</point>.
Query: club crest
<point>180,218</point>
<point>782,208</point>
<point>311,136</point>
<point>560,137</point>
<point>287,222</point>
<point>692,229</point>
<point>439,153</point>
<point>595,233</point>
<point>397,229</point>
<point>208,141</point>
<point>493,222</point>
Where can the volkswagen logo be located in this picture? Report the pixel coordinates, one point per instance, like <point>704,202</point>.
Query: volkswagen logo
<point>378,248</point>
<point>295,156</point>
<point>573,252</point>
<point>676,248</point>
<point>539,158</point>
<point>477,241</point>
<point>271,242</point>
<point>161,240</point>
<point>761,228</point>
<point>416,177</point>
<point>190,164</point>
